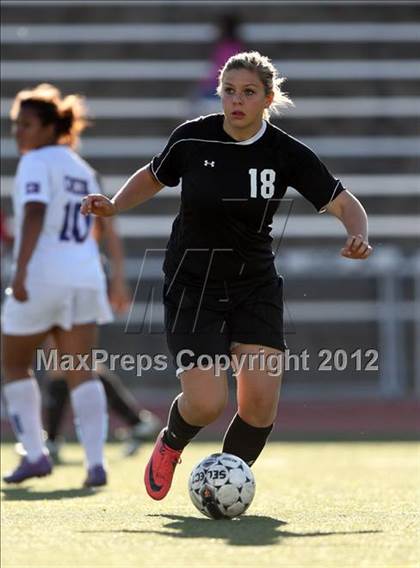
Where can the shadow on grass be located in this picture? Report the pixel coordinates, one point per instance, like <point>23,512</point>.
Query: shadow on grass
<point>252,530</point>
<point>25,494</point>
<point>68,462</point>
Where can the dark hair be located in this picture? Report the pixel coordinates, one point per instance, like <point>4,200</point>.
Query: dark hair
<point>68,114</point>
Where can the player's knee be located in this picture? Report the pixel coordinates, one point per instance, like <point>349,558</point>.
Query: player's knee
<point>259,413</point>
<point>208,410</point>
<point>213,411</point>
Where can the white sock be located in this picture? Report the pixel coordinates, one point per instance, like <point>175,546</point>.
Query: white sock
<point>23,399</point>
<point>89,406</point>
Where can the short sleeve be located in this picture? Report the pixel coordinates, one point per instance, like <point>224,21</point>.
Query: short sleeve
<point>311,178</point>
<point>168,166</point>
<point>33,181</point>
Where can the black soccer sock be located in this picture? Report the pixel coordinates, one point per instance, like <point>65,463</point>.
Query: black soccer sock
<point>178,433</point>
<point>119,398</point>
<point>245,441</point>
<point>57,397</point>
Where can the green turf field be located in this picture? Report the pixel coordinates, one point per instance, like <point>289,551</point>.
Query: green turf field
<point>317,505</point>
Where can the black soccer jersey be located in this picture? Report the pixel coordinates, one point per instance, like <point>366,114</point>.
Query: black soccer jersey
<point>230,192</point>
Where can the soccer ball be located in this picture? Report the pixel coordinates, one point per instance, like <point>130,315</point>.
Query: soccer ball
<point>222,486</point>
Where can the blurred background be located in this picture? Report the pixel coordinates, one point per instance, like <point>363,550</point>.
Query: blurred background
<point>354,75</point>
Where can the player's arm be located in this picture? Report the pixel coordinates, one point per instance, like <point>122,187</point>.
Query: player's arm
<point>140,187</point>
<point>33,220</point>
<point>312,179</point>
<point>119,296</point>
<point>348,209</point>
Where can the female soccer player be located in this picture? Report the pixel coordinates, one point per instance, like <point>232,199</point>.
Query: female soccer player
<point>222,295</point>
<point>58,285</point>
<point>143,425</point>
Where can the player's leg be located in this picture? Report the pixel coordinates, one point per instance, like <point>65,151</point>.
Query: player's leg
<point>256,322</point>
<point>57,396</point>
<point>120,399</point>
<point>56,399</point>
<point>87,396</point>
<point>192,333</point>
<point>204,394</point>
<point>258,391</point>
<point>203,398</point>
<point>25,326</point>
<point>23,400</point>
<point>144,425</point>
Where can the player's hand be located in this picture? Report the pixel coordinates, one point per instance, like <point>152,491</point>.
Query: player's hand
<point>18,287</point>
<point>97,204</point>
<point>356,247</point>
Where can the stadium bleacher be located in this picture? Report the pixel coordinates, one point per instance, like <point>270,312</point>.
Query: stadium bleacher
<point>355,79</point>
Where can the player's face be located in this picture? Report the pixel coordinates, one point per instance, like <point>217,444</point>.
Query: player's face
<point>244,101</point>
<point>30,133</point>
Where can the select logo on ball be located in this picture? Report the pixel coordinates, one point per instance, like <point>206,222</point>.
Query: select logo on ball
<point>221,486</point>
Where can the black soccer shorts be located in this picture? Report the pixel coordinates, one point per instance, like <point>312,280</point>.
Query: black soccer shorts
<point>253,315</point>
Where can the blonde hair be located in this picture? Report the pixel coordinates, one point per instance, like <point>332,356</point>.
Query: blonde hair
<point>267,73</point>
<point>68,114</point>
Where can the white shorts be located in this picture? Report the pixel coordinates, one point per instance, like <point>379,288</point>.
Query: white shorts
<point>49,306</point>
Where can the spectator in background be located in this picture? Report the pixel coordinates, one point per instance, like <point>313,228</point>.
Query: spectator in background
<point>229,43</point>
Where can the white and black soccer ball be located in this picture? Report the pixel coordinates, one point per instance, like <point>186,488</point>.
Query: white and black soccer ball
<point>222,486</point>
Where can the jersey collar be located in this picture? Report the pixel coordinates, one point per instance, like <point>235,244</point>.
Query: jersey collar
<point>256,136</point>
<point>248,141</point>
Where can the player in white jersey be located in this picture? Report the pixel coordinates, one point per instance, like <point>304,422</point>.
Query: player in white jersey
<point>57,177</point>
<point>58,286</point>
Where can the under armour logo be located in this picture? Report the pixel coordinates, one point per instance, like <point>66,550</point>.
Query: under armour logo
<point>207,163</point>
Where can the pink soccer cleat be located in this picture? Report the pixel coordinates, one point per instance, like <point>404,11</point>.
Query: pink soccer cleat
<point>160,469</point>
